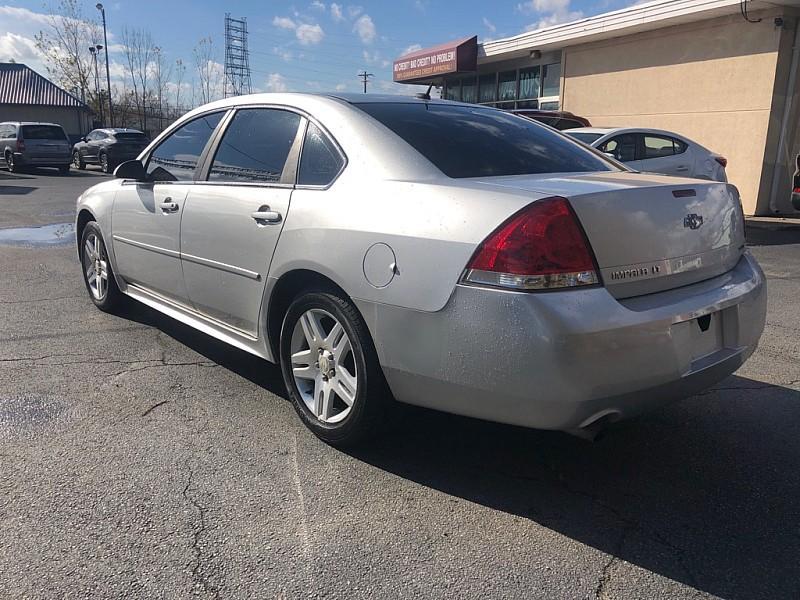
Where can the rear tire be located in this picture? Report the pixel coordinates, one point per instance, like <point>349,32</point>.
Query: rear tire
<point>97,272</point>
<point>331,369</point>
<point>77,161</point>
<point>11,163</point>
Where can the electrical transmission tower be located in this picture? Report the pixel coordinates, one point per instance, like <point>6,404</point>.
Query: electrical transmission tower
<point>237,57</point>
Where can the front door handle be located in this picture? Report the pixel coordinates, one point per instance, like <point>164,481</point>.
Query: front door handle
<point>682,168</point>
<point>168,206</point>
<point>264,215</point>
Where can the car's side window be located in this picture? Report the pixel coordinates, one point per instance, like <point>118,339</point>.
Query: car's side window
<point>623,147</point>
<point>320,161</point>
<point>175,159</point>
<point>255,146</point>
<point>100,135</point>
<point>658,147</point>
<point>680,147</point>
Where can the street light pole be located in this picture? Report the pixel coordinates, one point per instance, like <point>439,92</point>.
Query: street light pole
<point>94,51</point>
<point>102,10</point>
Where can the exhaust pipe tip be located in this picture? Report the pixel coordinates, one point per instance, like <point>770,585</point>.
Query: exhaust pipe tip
<point>594,428</point>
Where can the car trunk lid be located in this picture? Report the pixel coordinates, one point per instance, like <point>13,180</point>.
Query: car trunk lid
<point>649,233</point>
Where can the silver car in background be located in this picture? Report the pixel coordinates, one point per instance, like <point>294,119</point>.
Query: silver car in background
<point>654,151</point>
<point>436,253</point>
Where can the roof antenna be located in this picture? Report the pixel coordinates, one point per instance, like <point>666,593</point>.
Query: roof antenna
<point>424,95</point>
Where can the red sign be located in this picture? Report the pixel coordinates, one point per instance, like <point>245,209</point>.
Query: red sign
<point>430,63</point>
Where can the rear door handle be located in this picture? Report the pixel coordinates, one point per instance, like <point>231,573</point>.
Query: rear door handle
<point>682,168</point>
<point>264,215</point>
<point>168,206</point>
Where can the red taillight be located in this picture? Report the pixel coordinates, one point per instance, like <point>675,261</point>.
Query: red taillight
<point>723,162</point>
<point>540,247</point>
<point>20,145</point>
<point>796,190</point>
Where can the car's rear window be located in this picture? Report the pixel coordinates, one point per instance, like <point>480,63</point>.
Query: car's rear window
<point>130,137</point>
<point>43,132</point>
<point>469,141</point>
<point>586,138</point>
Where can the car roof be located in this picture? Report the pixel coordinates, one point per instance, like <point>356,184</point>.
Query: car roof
<point>113,130</point>
<point>617,130</point>
<point>20,123</point>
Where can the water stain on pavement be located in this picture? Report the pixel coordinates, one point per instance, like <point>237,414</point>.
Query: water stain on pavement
<point>57,234</point>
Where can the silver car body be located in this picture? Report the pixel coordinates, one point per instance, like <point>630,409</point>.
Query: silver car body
<point>395,234</point>
<point>37,152</point>
<point>696,161</point>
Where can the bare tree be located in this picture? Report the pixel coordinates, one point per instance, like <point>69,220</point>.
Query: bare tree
<point>65,47</point>
<point>139,54</point>
<point>207,70</point>
<point>180,72</point>
<point>162,72</point>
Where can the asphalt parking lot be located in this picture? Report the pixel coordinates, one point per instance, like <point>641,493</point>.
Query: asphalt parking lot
<point>141,459</point>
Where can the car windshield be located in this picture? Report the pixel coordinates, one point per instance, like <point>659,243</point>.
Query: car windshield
<point>470,141</point>
<point>43,132</point>
<point>130,136</point>
<point>586,138</point>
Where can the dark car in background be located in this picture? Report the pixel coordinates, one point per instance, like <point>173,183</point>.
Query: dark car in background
<point>29,144</point>
<point>796,185</point>
<point>108,147</point>
<point>560,119</point>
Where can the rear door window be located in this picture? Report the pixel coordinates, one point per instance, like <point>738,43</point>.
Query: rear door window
<point>656,146</point>
<point>43,132</point>
<point>622,147</point>
<point>255,146</point>
<point>320,161</point>
<point>175,159</point>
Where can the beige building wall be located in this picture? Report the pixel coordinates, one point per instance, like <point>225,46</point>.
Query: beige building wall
<point>711,81</point>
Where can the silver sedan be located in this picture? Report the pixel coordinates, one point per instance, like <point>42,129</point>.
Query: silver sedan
<point>434,253</point>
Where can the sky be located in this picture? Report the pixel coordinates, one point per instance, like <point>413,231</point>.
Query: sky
<point>310,45</point>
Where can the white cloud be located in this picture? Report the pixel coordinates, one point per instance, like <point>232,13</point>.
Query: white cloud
<point>420,5</point>
<point>284,23</point>
<point>276,83</point>
<point>340,87</point>
<point>365,29</point>
<point>18,48</point>
<point>318,5</point>
<point>550,12</point>
<point>354,11</point>
<point>13,13</point>
<point>489,25</point>
<point>336,12</point>
<point>309,34</point>
<point>410,49</point>
<point>283,53</point>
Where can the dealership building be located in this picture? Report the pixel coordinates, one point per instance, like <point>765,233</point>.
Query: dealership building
<point>721,72</point>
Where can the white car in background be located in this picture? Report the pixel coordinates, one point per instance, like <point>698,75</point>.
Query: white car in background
<point>654,151</point>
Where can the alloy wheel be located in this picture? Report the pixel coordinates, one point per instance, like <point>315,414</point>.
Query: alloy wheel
<point>76,160</point>
<point>96,266</point>
<point>104,163</point>
<point>323,366</point>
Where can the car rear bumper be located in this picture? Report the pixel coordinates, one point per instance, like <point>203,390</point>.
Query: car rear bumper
<point>562,360</point>
<point>55,160</point>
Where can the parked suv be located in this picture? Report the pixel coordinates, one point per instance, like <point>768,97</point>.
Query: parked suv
<point>27,144</point>
<point>108,148</point>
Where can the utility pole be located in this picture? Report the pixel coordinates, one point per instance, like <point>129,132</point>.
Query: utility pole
<point>95,50</point>
<point>364,76</point>
<point>102,10</point>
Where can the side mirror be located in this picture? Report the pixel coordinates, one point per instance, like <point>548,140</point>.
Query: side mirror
<point>131,169</point>
<point>83,139</point>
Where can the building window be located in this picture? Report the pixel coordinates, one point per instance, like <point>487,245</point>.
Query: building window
<point>469,90</point>
<point>529,83</point>
<point>487,88</point>
<point>551,80</point>
<point>507,86</point>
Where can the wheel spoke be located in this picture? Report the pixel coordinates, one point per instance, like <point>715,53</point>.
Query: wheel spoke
<point>334,336</point>
<point>327,401</point>
<point>91,276</point>
<point>305,365</point>
<point>343,348</point>
<point>89,249</point>
<point>311,329</point>
<point>344,385</point>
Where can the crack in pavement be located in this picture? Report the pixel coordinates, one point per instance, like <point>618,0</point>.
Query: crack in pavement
<point>31,301</point>
<point>155,406</point>
<point>197,532</point>
<point>605,573</point>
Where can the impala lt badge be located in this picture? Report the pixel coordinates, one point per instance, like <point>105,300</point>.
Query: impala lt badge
<point>693,221</point>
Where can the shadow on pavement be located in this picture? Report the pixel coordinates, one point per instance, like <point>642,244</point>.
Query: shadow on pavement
<point>704,492</point>
<point>757,236</point>
<point>16,190</point>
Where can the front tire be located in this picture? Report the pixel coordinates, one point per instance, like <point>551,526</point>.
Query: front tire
<point>105,165</point>
<point>97,272</point>
<point>77,161</point>
<point>331,369</point>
